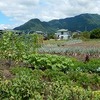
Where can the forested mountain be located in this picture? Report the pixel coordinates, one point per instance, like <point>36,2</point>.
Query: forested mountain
<point>81,22</point>
<point>35,25</point>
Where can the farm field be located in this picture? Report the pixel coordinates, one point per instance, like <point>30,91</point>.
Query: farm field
<point>33,69</point>
<point>49,49</point>
<point>74,42</point>
<point>73,48</point>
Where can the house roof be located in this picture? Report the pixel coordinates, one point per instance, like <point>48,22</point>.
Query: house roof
<point>39,32</point>
<point>62,30</point>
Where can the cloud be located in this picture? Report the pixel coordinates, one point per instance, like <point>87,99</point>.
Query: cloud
<point>67,8</point>
<point>17,9</point>
<point>6,26</point>
<point>21,11</point>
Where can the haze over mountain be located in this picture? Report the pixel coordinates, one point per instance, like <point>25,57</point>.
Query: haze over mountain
<point>82,22</point>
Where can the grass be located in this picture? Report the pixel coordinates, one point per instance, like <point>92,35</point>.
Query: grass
<point>53,41</point>
<point>89,42</point>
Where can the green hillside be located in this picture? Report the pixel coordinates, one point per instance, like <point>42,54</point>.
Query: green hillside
<point>81,22</point>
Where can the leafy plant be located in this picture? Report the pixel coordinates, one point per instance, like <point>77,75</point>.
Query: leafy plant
<point>30,84</point>
<point>14,46</point>
<point>47,61</point>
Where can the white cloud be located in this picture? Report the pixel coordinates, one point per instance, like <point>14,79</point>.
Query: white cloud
<point>6,26</point>
<point>21,11</point>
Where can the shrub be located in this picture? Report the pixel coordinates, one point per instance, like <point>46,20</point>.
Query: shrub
<point>47,61</point>
<point>95,34</point>
<point>28,85</point>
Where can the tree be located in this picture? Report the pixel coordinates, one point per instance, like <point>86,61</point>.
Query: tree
<point>85,35</point>
<point>51,36</point>
<point>95,34</point>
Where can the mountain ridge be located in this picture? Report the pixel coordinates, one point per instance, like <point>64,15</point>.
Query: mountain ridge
<point>82,22</point>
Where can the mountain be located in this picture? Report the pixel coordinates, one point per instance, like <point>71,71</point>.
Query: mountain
<point>35,25</point>
<point>80,22</point>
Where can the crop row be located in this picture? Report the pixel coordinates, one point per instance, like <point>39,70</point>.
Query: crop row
<point>61,63</point>
<point>74,50</point>
<point>48,85</point>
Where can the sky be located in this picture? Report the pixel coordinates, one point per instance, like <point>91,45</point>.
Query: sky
<point>16,12</point>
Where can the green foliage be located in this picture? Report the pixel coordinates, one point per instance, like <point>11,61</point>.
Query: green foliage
<point>81,22</point>
<point>47,61</point>
<point>7,44</point>
<point>14,46</point>
<point>61,63</point>
<point>51,36</point>
<point>76,36</point>
<point>22,87</point>
<point>93,66</point>
<point>85,35</point>
<point>84,79</point>
<point>37,85</point>
<point>95,34</point>
<point>36,25</point>
<point>60,78</point>
<point>53,75</point>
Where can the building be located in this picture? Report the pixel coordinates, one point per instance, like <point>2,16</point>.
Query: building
<point>39,32</point>
<point>63,34</point>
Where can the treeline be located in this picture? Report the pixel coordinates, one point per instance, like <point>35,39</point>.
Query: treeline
<point>94,34</point>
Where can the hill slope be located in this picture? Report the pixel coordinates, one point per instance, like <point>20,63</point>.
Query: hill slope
<point>81,22</point>
<point>35,25</point>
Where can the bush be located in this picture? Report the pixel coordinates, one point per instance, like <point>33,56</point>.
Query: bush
<point>85,35</point>
<point>14,46</point>
<point>23,87</point>
<point>95,34</point>
<point>93,66</point>
<point>29,85</point>
<point>47,61</point>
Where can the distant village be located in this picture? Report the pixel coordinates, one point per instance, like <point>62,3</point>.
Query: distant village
<point>60,34</point>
